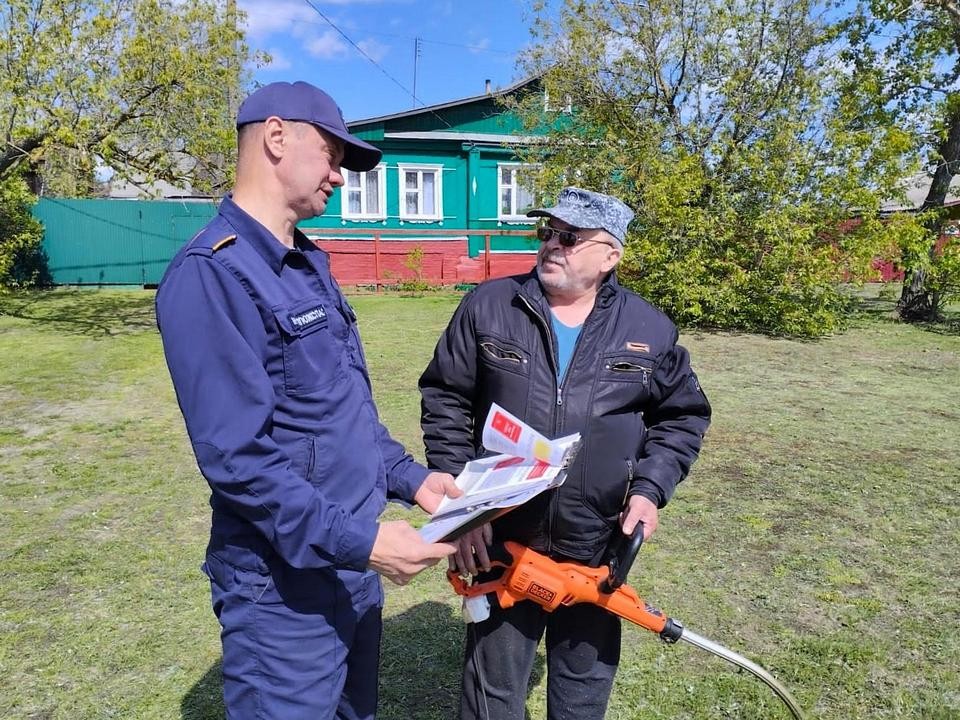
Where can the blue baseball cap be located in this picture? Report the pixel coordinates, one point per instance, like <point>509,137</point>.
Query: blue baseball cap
<point>301,101</point>
<point>589,210</point>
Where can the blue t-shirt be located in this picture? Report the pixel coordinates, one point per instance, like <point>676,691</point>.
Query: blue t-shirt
<point>566,340</point>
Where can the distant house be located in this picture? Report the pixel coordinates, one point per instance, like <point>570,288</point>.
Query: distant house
<point>119,189</point>
<point>916,188</point>
<point>450,174</point>
<point>449,165</point>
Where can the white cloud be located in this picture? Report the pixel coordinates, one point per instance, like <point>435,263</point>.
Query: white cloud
<point>477,46</point>
<point>327,46</point>
<point>376,50</point>
<point>278,60</point>
<point>266,17</point>
<point>268,20</point>
<point>304,29</point>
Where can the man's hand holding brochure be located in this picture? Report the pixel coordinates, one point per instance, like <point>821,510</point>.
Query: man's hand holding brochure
<point>528,464</point>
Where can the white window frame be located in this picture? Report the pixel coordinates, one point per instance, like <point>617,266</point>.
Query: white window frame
<point>513,186</point>
<point>567,106</point>
<point>437,171</point>
<point>381,192</point>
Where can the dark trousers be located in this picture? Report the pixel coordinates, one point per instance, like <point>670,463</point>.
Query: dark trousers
<point>583,650</point>
<point>306,651</point>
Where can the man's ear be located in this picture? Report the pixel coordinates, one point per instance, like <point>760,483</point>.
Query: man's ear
<point>275,134</point>
<point>611,260</point>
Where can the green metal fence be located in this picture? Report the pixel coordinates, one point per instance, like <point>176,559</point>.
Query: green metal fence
<point>116,242</point>
<point>131,242</point>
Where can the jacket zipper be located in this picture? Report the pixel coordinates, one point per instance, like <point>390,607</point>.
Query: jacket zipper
<point>552,512</point>
<point>549,336</point>
<point>630,369</point>
<point>502,353</point>
<point>548,333</point>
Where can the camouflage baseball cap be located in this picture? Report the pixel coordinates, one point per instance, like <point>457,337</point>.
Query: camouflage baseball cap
<point>588,210</point>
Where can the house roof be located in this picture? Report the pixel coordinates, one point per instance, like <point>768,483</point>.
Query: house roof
<point>916,188</point>
<point>444,106</point>
<point>464,136</point>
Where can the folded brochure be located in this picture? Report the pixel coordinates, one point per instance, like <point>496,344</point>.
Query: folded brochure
<point>527,464</point>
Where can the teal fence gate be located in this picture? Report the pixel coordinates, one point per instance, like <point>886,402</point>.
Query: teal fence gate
<point>116,242</point>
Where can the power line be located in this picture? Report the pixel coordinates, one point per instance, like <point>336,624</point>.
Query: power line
<point>379,66</point>
<point>362,52</point>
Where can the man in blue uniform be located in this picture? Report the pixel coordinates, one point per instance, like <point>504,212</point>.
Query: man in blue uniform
<point>270,375</point>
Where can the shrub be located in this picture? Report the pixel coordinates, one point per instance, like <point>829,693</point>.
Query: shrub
<point>22,262</point>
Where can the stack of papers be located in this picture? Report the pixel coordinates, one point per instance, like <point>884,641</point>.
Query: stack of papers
<point>527,465</point>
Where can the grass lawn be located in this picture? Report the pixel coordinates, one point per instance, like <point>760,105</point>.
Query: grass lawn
<point>818,534</point>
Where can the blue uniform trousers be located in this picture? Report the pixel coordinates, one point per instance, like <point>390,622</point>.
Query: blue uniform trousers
<point>298,644</point>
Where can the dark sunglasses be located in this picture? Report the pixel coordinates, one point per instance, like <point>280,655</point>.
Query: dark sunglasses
<point>564,237</point>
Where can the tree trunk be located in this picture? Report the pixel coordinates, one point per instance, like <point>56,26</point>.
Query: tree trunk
<point>14,154</point>
<point>919,302</point>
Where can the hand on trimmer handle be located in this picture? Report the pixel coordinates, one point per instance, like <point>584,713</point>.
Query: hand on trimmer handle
<point>621,554</point>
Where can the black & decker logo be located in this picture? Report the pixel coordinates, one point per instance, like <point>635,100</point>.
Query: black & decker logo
<point>541,592</point>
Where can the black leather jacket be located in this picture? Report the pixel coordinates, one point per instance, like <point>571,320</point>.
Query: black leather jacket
<point>628,390</point>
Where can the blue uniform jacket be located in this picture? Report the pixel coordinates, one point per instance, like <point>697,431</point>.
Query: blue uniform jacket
<point>268,368</point>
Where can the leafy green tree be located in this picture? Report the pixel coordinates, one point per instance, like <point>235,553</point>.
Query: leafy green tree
<point>906,57</point>
<point>143,87</point>
<point>721,124</point>
<point>20,235</point>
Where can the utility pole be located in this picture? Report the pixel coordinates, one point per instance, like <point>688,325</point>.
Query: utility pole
<point>416,61</point>
<point>233,82</point>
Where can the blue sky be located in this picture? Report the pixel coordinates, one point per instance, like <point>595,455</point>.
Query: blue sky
<point>464,43</point>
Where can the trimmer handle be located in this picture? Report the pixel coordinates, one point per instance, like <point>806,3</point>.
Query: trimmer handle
<point>500,558</point>
<point>500,555</point>
<point>623,552</point>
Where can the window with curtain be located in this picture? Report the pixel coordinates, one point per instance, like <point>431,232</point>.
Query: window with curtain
<point>364,194</point>
<point>515,186</point>
<point>421,192</point>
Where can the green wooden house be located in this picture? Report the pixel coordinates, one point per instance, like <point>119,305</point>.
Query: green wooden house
<point>448,166</point>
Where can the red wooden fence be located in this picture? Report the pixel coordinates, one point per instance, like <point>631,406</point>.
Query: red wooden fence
<point>387,257</point>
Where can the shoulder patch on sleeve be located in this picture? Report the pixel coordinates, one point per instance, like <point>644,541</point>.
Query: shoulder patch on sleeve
<point>224,242</point>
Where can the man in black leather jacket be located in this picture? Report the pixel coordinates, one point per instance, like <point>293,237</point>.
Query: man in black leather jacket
<point>566,349</point>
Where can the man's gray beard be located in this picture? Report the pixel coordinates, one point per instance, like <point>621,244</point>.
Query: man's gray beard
<point>556,284</point>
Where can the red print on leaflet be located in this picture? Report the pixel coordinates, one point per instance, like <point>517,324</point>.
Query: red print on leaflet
<point>506,427</point>
<point>538,470</point>
<point>508,462</point>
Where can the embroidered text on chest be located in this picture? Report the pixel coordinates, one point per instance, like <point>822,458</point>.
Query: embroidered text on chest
<point>308,317</point>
